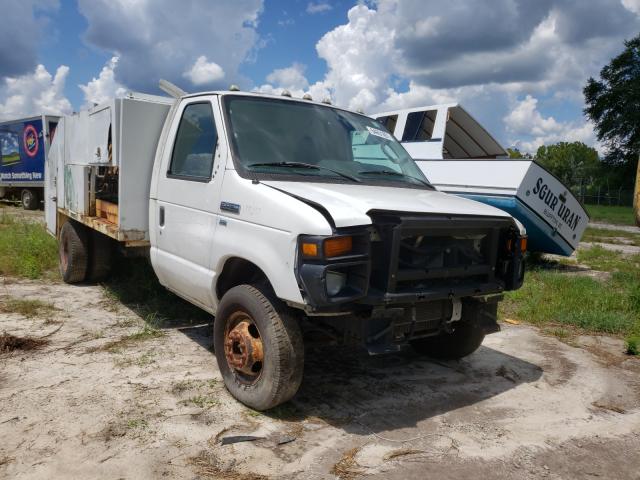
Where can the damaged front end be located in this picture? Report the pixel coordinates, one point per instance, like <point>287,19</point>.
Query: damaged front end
<point>410,276</point>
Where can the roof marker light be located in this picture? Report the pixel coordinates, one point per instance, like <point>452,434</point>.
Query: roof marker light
<point>306,96</point>
<point>326,100</point>
<point>286,93</point>
<point>234,88</point>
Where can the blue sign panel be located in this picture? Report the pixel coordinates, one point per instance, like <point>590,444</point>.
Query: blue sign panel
<point>22,146</point>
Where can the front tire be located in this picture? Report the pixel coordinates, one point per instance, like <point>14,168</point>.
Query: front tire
<point>30,199</point>
<point>258,346</point>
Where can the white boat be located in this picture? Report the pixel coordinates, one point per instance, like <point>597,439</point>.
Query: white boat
<point>458,155</point>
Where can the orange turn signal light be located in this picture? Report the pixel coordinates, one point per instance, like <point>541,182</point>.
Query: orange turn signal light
<point>334,247</point>
<point>523,244</point>
<point>310,249</point>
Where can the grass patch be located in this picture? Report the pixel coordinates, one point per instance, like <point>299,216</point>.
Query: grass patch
<point>143,360</point>
<point>137,423</point>
<point>201,401</point>
<point>26,249</point>
<point>145,333</point>
<point>619,237</point>
<point>26,308</point>
<point>633,345</point>
<point>559,301</point>
<point>609,214</point>
<point>599,258</point>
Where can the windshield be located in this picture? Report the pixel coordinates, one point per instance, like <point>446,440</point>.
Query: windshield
<point>275,138</point>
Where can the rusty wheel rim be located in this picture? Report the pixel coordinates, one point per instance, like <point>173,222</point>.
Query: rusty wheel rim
<point>243,347</point>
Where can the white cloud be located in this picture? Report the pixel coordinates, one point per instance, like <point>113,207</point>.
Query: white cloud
<point>525,120</point>
<point>203,72</point>
<point>165,38</point>
<point>318,7</point>
<point>35,93</point>
<point>632,6</point>
<point>105,87</point>
<point>291,77</point>
<point>393,54</point>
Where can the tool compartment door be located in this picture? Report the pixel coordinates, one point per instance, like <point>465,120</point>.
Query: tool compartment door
<point>99,125</point>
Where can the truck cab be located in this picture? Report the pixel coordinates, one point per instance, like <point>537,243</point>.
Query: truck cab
<point>271,212</point>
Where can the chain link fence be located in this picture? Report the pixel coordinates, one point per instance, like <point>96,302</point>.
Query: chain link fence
<point>604,196</point>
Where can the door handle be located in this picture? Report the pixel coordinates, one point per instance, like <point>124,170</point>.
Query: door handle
<point>161,217</point>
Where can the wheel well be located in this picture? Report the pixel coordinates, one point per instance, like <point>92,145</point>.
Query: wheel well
<point>238,271</point>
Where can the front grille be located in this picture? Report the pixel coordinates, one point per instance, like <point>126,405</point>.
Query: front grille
<point>434,255</point>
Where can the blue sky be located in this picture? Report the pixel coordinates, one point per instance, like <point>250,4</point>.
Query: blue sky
<point>516,65</point>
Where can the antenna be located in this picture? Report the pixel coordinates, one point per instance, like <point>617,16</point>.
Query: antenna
<point>171,89</point>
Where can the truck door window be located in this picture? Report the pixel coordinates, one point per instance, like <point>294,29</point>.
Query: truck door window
<point>195,144</point>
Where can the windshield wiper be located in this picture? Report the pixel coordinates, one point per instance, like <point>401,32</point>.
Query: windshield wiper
<point>396,174</point>
<point>305,165</point>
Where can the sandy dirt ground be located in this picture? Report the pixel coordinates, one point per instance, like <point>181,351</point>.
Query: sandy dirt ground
<point>97,402</point>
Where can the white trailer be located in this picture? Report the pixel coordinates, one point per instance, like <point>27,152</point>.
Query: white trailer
<point>460,157</point>
<point>267,210</point>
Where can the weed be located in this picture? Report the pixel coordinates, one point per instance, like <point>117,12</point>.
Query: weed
<point>347,466</point>
<point>25,307</point>
<point>116,346</point>
<point>137,423</point>
<point>143,360</point>
<point>208,465</point>
<point>559,332</point>
<point>26,249</point>
<point>201,401</point>
<point>9,343</point>
<point>633,345</point>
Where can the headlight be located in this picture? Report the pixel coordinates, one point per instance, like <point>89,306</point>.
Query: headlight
<point>335,282</point>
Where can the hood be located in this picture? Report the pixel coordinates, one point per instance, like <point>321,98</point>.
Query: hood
<point>349,204</point>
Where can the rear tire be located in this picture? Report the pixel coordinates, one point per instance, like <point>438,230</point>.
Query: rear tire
<point>100,257</point>
<point>30,199</point>
<point>73,252</point>
<point>273,375</point>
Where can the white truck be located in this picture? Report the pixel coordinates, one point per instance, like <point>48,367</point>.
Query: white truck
<point>269,212</point>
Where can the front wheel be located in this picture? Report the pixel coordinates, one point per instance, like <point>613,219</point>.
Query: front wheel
<point>30,199</point>
<point>259,348</point>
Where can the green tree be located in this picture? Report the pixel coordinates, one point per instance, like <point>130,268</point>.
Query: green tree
<point>573,163</point>
<point>516,153</point>
<point>613,104</point>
